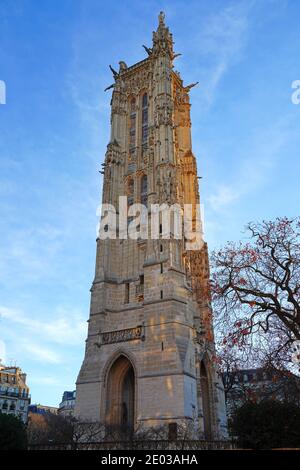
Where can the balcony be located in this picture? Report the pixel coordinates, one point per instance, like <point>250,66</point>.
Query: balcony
<point>8,393</point>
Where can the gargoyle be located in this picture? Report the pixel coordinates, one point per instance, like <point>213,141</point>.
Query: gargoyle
<point>176,55</point>
<point>148,49</point>
<point>109,87</point>
<point>188,87</point>
<point>115,73</point>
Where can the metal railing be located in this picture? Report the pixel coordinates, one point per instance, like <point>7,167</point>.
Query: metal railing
<point>8,393</point>
<point>139,445</point>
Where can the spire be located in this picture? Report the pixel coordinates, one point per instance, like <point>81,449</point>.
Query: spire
<point>162,38</point>
<point>161,19</point>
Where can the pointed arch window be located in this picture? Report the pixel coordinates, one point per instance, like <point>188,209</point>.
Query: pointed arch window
<point>130,196</point>
<point>144,190</point>
<point>144,121</point>
<point>206,401</point>
<point>130,187</point>
<point>132,126</point>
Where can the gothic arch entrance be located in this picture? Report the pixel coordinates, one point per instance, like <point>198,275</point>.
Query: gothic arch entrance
<point>206,399</point>
<point>120,394</point>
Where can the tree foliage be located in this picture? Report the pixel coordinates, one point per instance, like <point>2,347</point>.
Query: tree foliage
<point>12,433</point>
<point>268,424</point>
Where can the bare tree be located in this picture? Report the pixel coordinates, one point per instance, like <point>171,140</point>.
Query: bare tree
<point>256,293</point>
<point>37,429</point>
<point>85,432</point>
<point>47,428</point>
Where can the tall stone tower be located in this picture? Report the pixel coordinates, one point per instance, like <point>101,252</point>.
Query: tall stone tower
<point>149,356</point>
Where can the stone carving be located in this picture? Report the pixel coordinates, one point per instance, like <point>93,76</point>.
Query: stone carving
<point>120,336</point>
<point>199,335</point>
<point>109,87</point>
<point>119,103</point>
<point>114,72</point>
<point>161,18</point>
<point>133,84</point>
<point>181,96</point>
<point>148,49</point>
<point>167,185</point>
<point>113,154</point>
<point>188,87</point>
<point>163,116</point>
<point>123,66</point>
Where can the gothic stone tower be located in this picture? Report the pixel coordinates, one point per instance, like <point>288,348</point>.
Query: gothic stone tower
<point>149,356</point>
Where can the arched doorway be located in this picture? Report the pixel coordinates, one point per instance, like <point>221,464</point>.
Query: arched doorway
<point>120,395</point>
<point>205,395</point>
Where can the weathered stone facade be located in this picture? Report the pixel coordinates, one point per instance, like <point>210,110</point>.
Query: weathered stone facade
<point>149,356</point>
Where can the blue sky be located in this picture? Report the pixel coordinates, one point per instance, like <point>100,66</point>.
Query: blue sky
<point>54,128</point>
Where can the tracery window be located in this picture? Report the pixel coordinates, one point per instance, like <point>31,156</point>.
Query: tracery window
<point>130,187</point>
<point>130,196</point>
<point>144,121</point>
<point>132,126</point>
<point>127,292</point>
<point>144,190</point>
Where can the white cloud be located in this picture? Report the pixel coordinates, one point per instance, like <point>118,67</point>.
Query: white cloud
<point>222,29</point>
<point>66,328</point>
<point>222,197</point>
<point>40,380</point>
<point>2,352</point>
<point>29,251</point>
<point>255,166</point>
<point>40,353</point>
<point>222,41</point>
